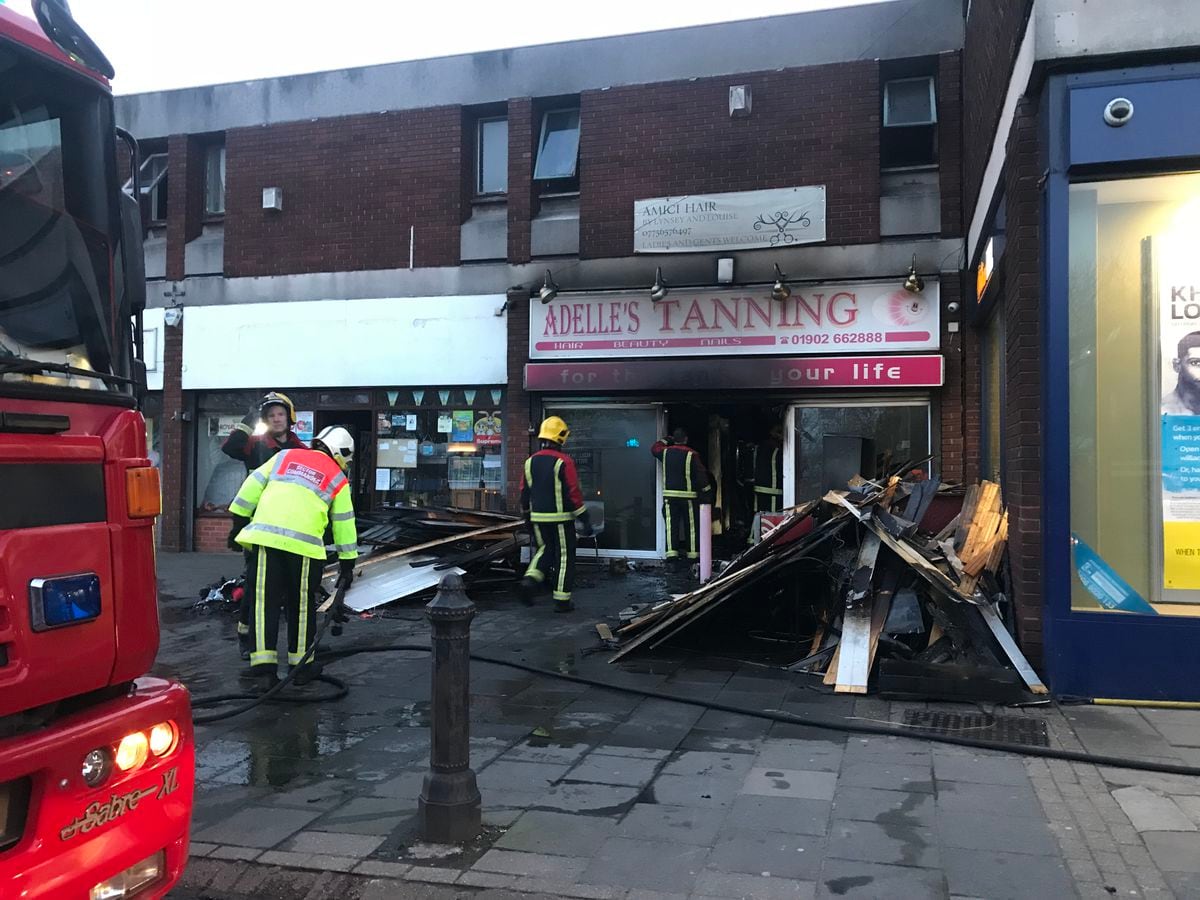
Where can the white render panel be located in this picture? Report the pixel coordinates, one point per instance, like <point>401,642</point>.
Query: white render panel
<point>154,339</point>
<point>346,343</point>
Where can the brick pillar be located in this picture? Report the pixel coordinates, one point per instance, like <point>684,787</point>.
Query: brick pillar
<point>1023,377</point>
<point>954,407</point>
<point>173,525</point>
<point>949,102</point>
<point>520,180</point>
<point>516,410</point>
<point>185,208</point>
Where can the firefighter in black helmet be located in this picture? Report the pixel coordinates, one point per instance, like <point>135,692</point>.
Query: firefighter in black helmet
<point>552,501</point>
<point>276,412</point>
<point>685,485</point>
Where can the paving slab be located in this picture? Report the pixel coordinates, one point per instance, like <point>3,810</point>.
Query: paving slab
<point>997,800</point>
<point>871,881</point>
<point>368,815</point>
<point>786,814</point>
<point>726,884</point>
<point>602,769</point>
<point>891,844</point>
<point>708,764</point>
<point>546,753</point>
<point>1004,876</point>
<point>594,799</point>
<point>1151,811</point>
<point>791,783</point>
<point>520,776</point>
<point>560,834</point>
<point>359,846</point>
<point>681,790</point>
<point>674,824</point>
<point>646,865</point>
<point>876,805</point>
<point>808,756</point>
<point>887,775</point>
<point>979,769</point>
<point>981,831</point>
<point>565,869</point>
<point>1174,851</point>
<point>257,826</point>
<point>312,861</point>
<point>768,853</point>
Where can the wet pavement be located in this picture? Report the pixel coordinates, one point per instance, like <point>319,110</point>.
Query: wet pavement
<point>590,792</point>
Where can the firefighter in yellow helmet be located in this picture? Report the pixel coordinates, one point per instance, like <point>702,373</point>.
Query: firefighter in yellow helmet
<point>282,512</point>
<point>551,501</point>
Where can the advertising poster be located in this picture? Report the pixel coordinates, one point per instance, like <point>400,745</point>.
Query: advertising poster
<point>463,426</point>
<point>304,425</point>
<point>383,479</point>
<point>488,430</point>
<point>1179,337</point>
<point>742,220</point>
<point>444,423</point>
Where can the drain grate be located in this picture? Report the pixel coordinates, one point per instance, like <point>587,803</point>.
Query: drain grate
<point>1002,729</point>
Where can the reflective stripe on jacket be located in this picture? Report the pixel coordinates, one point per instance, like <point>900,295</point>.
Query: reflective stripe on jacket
<point>684,476</point>
<point>291,499</point>
<point>550,488</point>
<point>768,470</point>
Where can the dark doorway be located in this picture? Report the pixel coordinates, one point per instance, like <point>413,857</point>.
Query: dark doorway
<point>358,423</point>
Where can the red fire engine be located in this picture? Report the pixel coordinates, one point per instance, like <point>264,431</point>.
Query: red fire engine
<point>96,758</point>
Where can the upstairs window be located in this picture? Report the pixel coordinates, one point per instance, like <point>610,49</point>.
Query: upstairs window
<point>491,157</point>
<point>152,176</point>
<point>558,147</point>
<point>909,123</point>
<point>214,180</point>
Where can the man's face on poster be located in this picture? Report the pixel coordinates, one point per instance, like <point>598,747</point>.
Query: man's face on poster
<point>1188,367</point>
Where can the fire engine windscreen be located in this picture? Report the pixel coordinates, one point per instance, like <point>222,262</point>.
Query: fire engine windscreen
<point>56,302</point>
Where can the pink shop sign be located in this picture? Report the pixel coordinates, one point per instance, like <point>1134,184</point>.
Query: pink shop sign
<point>851,317</point>
<point>719,374</point>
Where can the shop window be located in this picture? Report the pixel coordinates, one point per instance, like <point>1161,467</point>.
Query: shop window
<point>218,476</point>
<point>1134,393</point>
<point>909,134</point>
<point>440,455</point>
<point>214,180</point>
<point>491,157</point>
<point>833,443</point>
<point>611,448</point>
<point>558,147</point>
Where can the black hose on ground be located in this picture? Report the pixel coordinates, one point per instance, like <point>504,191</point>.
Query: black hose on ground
<point>845,725</point>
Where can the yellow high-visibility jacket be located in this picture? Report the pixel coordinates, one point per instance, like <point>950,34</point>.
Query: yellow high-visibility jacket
<point>290,500</point>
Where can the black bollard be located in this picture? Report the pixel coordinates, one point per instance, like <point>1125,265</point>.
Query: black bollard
<point>449,802</point>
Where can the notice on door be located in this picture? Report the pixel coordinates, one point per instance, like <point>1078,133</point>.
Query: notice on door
<point>814,319</point>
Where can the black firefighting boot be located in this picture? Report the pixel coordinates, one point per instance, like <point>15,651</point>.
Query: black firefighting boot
<point>307,673</point>
<point>528,589</point>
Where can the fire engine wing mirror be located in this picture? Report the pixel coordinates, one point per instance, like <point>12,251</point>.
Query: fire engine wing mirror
<point>55,18</point>
<point>133,255</point>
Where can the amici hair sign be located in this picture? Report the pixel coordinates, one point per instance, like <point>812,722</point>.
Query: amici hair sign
<point>744,220</point>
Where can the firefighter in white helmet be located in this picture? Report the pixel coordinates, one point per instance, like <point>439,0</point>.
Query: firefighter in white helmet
<point>281,513</point>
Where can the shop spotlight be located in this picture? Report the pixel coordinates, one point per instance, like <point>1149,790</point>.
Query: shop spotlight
<point>659,289</point>
<point>548,290</point>
<point>779,290</point>
<point>914,283</point>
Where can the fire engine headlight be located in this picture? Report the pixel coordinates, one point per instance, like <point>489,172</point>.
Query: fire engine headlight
<point>162,738</point>
<point>97,766</point>
<point>132,880</point>
<point>132,751</point>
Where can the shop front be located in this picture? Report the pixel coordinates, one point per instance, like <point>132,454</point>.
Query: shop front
<point>382,369</point>
<point>831,381</point>
<point>1121,416</point>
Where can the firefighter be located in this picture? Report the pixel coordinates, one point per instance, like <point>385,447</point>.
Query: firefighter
<point>685,483</point>
<point>276,411</point>
<point>281,514</point>
<point>551,501</point>
<point>768,472</point>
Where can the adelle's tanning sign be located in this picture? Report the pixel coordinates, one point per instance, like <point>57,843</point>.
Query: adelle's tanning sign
<point>745,220</point>
<point>815,319</point>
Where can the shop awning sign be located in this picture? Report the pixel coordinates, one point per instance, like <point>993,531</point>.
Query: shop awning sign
<point>853,317</point>
<point>805,372</point>
<point>743,220</point>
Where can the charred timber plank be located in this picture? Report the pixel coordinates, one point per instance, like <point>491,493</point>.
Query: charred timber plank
<point>854,666</point>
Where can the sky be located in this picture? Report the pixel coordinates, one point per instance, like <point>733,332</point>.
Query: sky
<point>162,44</point>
